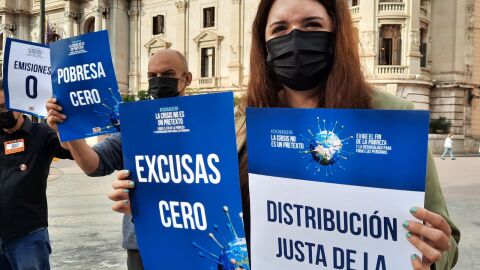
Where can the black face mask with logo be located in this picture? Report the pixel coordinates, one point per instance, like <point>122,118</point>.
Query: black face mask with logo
<point>301,60</point>
<point>163,87</point>
<point>7,120</point>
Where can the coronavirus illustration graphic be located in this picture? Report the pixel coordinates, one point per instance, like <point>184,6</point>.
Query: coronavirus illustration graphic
<point>110,113</point>
<point>233,253</point>
<point>325,148</point>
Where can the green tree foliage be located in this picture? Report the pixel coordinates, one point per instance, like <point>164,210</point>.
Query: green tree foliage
<point>440,125</point>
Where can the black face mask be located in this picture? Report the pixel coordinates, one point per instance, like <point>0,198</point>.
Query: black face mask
<point>301,60</point>
<point>7,120</point>
<point>163,87</point>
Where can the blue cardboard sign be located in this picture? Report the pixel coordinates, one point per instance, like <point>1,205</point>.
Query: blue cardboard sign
<point>186,204</point>
<point>84,83</point>
<point>330,188</point>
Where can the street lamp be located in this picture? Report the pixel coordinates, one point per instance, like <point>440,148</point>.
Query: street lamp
<point>41,41</point>
<point>42,21</point>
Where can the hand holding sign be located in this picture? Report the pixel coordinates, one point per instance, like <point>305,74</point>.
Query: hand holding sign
<point>84,84</point>
<point>54,114</point>
<point>349,166</point>
<point>185,169</point>
<point>120,194</point>
<point>431,238</point>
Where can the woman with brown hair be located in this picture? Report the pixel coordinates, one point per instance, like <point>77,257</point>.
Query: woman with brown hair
<point>305,55</point>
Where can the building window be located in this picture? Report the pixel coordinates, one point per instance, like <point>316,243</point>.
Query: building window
<point>209,17</point>
<point>354,3</point>
<point>208,62</point>
<point>159,24</point>
<point>423,47</point>
<point>390,49</point>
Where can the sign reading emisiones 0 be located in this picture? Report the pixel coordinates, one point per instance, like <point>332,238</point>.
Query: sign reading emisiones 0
<point>330,188</point>
<point>85,85</point>
<point>27,81</point>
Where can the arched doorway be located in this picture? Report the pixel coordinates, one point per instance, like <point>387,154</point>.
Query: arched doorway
<point>52,34</point>
<point>89,25</point>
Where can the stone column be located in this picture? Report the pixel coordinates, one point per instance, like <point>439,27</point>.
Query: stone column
<point>73,17</point>
<point>413,38</point>
<point>134,73</point>
<point>181,27</point>
<point>368,35</point>
<point>98,18</point>
<point>120,41</point>
<point>235,65</point>
<point>105,13</point>
<point>419,92</point>
<point>23,26</point>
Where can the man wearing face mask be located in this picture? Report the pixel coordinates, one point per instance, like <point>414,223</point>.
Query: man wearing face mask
<point>168,76</point>
<point>26,152</point>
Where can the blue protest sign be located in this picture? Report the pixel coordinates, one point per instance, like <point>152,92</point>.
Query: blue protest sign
<point>186,203</point>
<point>27,76</point>
<point>330,188</point>
<point>84,83</point>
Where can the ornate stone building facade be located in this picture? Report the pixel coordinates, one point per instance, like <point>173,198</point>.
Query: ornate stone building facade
<point>427,51</point>
<point>20,19</point>
<point>213,34</point>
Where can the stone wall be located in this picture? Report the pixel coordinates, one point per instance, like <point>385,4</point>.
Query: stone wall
<point>449,103</point>
<point>474,130</point>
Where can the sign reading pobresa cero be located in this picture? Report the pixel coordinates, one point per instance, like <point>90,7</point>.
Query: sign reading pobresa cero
<point>84,83</point>
<point>330,188</point>
<point>186,204</point>
<point>27,82</point>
